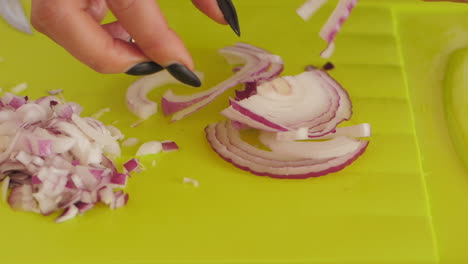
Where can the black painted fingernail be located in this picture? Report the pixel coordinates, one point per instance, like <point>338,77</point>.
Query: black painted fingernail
<point>145,68</point>
<point>230,14</point>
<point>183,74</point>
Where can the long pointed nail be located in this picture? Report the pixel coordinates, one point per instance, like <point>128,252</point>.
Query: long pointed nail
<point>145,68</point>
<point>183,74</point>
<point>230,14</point>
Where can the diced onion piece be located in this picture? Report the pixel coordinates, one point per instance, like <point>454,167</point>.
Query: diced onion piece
<point>131,165</point>
<point>194,182</point>
<point>149,148</point>
<point>308,9</point>
<point>68,214</point>
<point>19,88</point>
<point>130,142</point>
<point>169,146</point>
<point>55,92</point>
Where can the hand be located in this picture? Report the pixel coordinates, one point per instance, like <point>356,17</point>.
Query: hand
<point>76,26</point>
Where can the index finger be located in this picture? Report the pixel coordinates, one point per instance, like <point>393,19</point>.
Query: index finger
<point>145,22</point>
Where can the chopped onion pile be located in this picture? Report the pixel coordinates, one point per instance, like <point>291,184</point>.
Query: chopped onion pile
<point>334,23</point>
<point>54,160</point>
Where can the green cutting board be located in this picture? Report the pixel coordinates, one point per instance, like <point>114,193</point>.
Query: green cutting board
<point>404,201</point>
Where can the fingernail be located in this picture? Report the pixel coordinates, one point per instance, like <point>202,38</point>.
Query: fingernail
<point>145,68</point>
<point>230,14</point>
<point>183,74</point>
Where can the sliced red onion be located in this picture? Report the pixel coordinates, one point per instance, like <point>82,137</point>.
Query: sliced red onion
<point>69,213</point>
<point>312,99</point>
<point>259,65</point>
<point>168,146</point>
<point>227,142</point>
<point>5,185</point>
<point>131,165</point>
<point>356,131</point>
<point>149,148</point>
<point>308,9</point>
<point>333,148</point>
<point>137,100</point>
<point>334,24</point>
<point>130,142</point>
<point>194,182</point>
<point>13,13</point>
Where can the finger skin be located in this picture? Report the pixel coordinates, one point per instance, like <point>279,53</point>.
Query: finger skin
<point>70,25</point>
<point>145,22</point>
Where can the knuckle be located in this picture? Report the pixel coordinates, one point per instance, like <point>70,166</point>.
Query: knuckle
<point>43,14</point>
<point>120,5</point>
<point>100,66</point>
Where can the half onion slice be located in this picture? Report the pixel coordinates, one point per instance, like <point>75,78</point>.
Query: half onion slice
<point>311,100</point>
<point>227,142</point>
<point>258,66</point>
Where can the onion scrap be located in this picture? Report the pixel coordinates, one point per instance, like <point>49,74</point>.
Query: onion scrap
<point>334,23</point>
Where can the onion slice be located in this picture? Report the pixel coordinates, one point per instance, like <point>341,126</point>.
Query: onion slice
<point>333,148</point>
<point>356,131</point>
<point>258,66</point>
<point>226,141</point>
<point>334,23</point>
<point>149,148</point>
<point>308,9</point>
<point>137,100</point>
<point>311,99</point>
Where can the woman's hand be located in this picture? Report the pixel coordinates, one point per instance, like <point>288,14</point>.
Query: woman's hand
<point>75,25</point>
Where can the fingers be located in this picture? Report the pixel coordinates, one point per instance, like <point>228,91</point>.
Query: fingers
<point>211,9</point>
<point>69,24</point>
<point>146,24</point>
<point>221,11</point>
<point>97,9</point>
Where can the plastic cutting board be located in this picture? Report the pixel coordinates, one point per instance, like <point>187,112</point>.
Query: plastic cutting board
<point>404,201</point>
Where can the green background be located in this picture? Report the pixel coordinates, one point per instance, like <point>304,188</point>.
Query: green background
<point>404,201</point>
